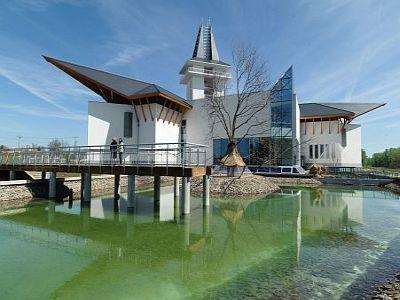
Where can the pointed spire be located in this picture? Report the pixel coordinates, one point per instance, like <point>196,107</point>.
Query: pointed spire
<point>205,46</point>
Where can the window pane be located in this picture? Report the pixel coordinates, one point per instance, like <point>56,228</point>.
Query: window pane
<point>128,123</point>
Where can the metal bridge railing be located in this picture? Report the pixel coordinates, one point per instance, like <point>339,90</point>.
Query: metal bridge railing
<point>163,154</point>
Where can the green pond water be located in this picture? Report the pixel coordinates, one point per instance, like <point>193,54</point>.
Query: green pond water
<point>325,243</point>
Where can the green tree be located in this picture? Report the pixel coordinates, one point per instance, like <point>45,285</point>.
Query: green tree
<point>55,144</point>
<point>364,158</point>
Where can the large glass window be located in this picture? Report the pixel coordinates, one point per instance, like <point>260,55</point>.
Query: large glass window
<point>281,117</point>
<point>310,153</point>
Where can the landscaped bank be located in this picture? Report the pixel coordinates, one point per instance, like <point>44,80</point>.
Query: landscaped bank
<point>245,185</point>
<point>13,193</point>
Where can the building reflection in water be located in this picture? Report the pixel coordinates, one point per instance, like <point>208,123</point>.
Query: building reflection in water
<point>202,248</point>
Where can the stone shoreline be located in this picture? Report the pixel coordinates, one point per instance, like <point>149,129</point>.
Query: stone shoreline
<point>245,185</point>
<point>390,290</point>
<point>20,192</point>
<point>393,187</point>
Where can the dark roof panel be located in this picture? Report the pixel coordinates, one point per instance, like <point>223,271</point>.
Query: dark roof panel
<point>309,110</point>
<point>125,86</point>
<point>316,109</point>
<point>357,108</point>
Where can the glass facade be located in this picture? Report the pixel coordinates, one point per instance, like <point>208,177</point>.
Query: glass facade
<point>282,98</point>
<point>278,148</point>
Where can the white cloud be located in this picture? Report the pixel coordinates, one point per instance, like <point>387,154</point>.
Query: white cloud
<point>42,5</point>
<point>128,55</point>
<point>38,112</point>
<point>39,80</point>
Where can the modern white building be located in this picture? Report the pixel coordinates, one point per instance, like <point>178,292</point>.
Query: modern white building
<point>145,113</point>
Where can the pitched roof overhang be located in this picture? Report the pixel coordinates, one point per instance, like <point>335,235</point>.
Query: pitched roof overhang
<point>119,89</point>
<point>334,111</point>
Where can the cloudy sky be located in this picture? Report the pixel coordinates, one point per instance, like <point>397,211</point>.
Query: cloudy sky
<point>340,50</point>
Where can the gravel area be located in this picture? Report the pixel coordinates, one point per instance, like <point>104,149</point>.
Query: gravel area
<point>245,185</point>
<point>394,187</point>
<point>388,291</point>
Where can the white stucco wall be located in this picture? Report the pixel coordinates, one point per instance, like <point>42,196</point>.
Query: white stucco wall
<point>337,155</point>
<point>201,131</point>
<point>106,120</point>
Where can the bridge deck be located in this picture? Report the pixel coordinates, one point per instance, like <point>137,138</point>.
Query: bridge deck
<point>178,171</point>
<point>166,159</point>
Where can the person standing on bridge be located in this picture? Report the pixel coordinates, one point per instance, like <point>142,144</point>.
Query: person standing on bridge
<point>113,149</point>
<point>120,149</point>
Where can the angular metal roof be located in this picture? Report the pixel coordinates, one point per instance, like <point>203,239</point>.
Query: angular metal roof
<point>349,110</point>
<point>205,46</point>
<point>357,108</point>
<point>125,87</point>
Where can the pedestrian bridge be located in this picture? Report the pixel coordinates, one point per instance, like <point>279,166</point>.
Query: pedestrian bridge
<point>165,159</point>
<point>184,160</point>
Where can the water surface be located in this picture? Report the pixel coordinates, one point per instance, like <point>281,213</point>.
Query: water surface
<point>326,243</point>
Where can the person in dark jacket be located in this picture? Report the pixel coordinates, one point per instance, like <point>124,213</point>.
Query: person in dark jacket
<point>120,150</point>
<point>113,149</point>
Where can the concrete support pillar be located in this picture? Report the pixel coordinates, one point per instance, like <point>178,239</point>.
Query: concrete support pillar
<point>116,192</point>
<point>85,218</point>
<point>131,191</point>
<point>82,184</point>
<point>12,175</point>
<point>206,190</point>
<point>176,187</point>
<point>186,195</point>
<point>43,175</point>
<point>53,185</point>
<point>87,188</point>
<point>116,187</point>
<point>157,188</point>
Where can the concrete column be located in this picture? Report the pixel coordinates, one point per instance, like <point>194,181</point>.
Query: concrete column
<point>116,194</point>
<point>116,187</point>
<point>12,175</point>
<point>131,191</point>
<point>176,187</point>
<point>206,190</point>
<point>186,195</point>
<point>85,218</point>
<point>53,185</point>
<point>157,187</point>
<point>87,188</point>
<point>82,185</point>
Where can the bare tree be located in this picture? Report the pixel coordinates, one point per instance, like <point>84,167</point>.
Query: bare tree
<point>237,107</point>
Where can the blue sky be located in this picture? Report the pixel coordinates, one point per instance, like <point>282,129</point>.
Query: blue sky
<point>340,51</point>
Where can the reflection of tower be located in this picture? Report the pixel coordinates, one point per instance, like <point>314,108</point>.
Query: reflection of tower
<point>204,72</point>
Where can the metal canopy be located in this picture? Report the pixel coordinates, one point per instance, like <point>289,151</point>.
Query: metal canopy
<point>336,110</point>
<point>116,88</point>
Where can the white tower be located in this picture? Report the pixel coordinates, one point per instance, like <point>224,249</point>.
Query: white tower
<point>204,72</point>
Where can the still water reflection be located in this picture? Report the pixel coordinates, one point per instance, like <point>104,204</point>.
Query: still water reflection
<point>301,243</point>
